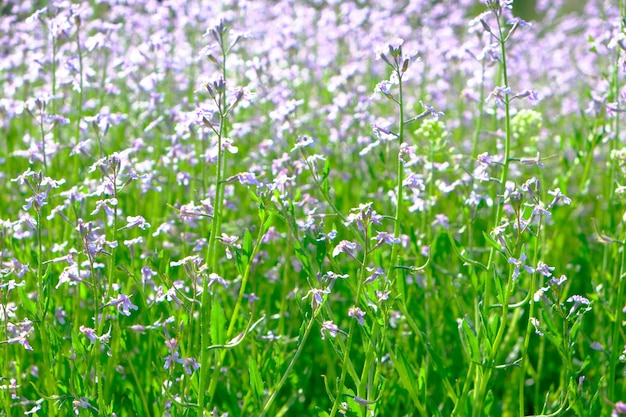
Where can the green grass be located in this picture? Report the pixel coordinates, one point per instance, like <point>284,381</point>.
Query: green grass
<point>307,289</point>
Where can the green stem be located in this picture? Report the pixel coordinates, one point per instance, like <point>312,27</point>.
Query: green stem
<point>490,273</point>
<point>244,282</point>
<point>505,165</point>
<point>207,300</point>
<point>393,260</point>
<point>529,327</point>
<point>485,378</point>
<point>351,332</point>
<point>43,307</point>
<point>470,225</point>
<point>616,345</point>
<point>80,98</point>
<point>97,325</point>
<point>235,314</point>
<point>42,132</point>
<point>283,379</point>
<point>6,398</point>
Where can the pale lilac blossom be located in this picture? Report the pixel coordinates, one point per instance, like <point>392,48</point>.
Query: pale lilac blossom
<point>136,221</point>
<point>345,246</point>
<point>328,327</point>
<point>358,314</point>
<point>123,304</point>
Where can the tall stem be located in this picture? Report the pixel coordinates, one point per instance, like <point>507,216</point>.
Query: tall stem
<point>484,379</point>
<point>505,165</point>
<point>393,261</point>
<point>209,301</point>
<point>351,331</point>
<point>79,114</point>
<point>621,280</point>
<point>529,326</point>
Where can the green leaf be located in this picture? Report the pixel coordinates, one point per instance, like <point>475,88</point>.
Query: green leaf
<point>28,304</point>
<point>268,223</point>
<point>328,390</point>
<point>470,337</point>
<point>492,242</point>
<point>241,261</point>
<point>247,243</point>
<point>552,332</point>
<point>324,179</point>
<point>421,381</point>
<point>326,170</point>
<point>465,259</point>
<point>255,197</point>
<point>488,403</point>
<point>218,336</point>
<point>320,253</point>
<point>574,331</point>
<point>500,290</point>
<point>407,376</point>
<point>256,382</point>
<point>77,344</point>
<point>401,286</point>
<point>302,257</point>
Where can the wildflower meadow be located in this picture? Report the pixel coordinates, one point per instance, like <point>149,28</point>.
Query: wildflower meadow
<point>312,208</point>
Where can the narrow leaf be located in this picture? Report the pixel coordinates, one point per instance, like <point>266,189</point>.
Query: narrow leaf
<point>218,336</point>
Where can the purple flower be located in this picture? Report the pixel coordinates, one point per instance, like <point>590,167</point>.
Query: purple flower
<point>317,297</point>
<point>384,237</point>
<point>93,337</point>
<point>136,221</point>
<point>14,267</point>
<point>330,328</point>
<point>60,315</point>
<point>229,242</point>
<point>557,281</point>
<point>332,276</point>
<point>82,403</point>
<point>384,87</point>
<point>22,339</point>
<point>428,109</point>
<point>190,365</point>
<point>499,94</point>
<point>540,293</point>
<point>345,246</point>
<point>363,216</point>
<point>146,274</point>
<point>172,358</point>
<point>194,260</point>
<point>302,142</point>
<point>123,304</point>
<point>620,408</point>
<point>414,182</point>
<point>519,263</point>
<point>244,178</point>
<point>216,279</point>
<point>536,324</point>
<point>382,295</point>
<point>544,269</point>
<point>441,220</point>
<point>485,159</point>
<point>376,272</point>
<point>532,95</point>
<point>578,300</point>
<point>558,197</point>
<point>533,161</point>
<point>358,314</point>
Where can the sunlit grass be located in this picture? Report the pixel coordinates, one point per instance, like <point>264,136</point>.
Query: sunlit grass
<point>283,208</point>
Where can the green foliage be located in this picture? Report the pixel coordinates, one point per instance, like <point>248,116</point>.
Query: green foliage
<point>292,261</point>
